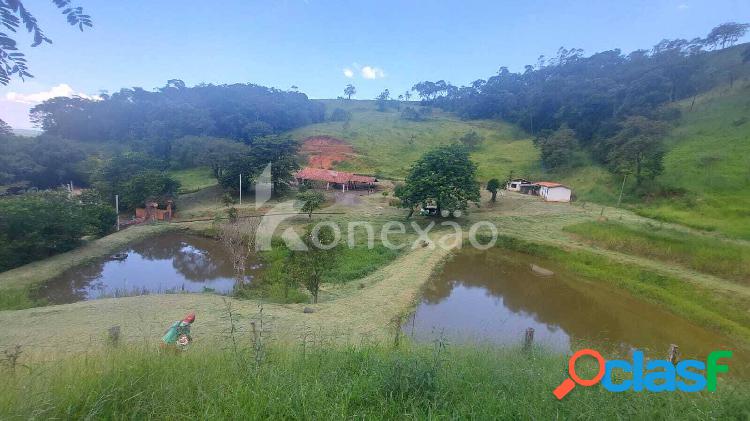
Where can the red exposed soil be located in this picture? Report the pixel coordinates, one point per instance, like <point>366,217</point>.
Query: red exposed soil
<point>325,151</point>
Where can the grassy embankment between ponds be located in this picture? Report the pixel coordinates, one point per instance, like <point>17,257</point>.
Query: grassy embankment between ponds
<point>17,285</point>
<point>353,312</point>
<point>708,254</point>
<point>694,302</point>
<point>318,381</point>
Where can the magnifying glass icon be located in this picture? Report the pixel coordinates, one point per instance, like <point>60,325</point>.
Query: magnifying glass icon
<point>568,384</point>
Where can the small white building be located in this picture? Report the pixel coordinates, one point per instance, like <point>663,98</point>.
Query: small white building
<point>553,192</point>
<point>516,184</point>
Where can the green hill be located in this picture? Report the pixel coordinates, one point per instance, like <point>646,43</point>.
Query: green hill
<point>708,165</point>
<point>384,144</point>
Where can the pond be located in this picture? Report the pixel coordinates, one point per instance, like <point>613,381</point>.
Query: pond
<point>167,263</point>
<point>495,295</point>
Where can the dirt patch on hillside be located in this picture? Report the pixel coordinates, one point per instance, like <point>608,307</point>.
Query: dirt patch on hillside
<point>326,151</point>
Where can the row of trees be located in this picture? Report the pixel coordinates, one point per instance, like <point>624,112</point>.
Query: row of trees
<point>238,111</point>
<point>608,106</point>
<point>350,90</point>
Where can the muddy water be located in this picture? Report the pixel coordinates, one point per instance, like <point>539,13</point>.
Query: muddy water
<point>495,295</point>
<point>163,264</point>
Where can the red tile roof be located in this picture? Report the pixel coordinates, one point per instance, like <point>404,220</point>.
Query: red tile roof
<point>331,176</point>
<point>548,184</point>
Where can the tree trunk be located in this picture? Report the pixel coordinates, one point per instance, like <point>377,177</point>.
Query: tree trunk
<point>494,196</point>
<point>411,212</point>
<point>638,172</point>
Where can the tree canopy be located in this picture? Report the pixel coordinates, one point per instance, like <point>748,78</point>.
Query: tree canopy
<point>444,175</point>
<point>349,91</point>
<point>239,111</point>
<point>38,225</point>
<point>280,152</point>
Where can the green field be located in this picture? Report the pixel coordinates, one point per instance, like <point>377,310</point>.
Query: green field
<point>194,179</point>
<point>709,160</point>
<point>311,380</point>
<point>384,145</point>
<point>705,254</point>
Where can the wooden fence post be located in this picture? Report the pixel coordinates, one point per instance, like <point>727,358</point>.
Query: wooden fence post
<point>114,335</point>
<point>674,354</point>
<point>528,339</point>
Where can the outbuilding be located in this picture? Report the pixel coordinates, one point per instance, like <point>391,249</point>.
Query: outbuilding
<point>517,184</point>
<point>553,192</point>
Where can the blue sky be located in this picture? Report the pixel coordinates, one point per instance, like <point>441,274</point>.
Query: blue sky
<point>311,43</point>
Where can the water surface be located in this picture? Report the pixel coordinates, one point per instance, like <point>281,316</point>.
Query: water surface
<point>494,296</point>
<point>167,263</point>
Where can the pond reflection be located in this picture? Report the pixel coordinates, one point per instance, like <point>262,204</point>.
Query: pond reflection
<point>167,263</point>
<point>495,295</point>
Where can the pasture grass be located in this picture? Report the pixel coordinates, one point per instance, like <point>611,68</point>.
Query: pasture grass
<point>706,254</point>
<point>18,299</point>
<point>707,307</point>
<point>707,165</point>
<point>326,382</point>
<point>705,183</point>
<point>193,179</point>
<point>347,264</point>
<point>387,145</point>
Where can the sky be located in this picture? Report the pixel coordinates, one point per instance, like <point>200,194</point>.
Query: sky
<point>321,46</point>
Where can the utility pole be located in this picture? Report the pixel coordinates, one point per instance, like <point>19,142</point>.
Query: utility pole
<point>240,188</point>
<point>117,210</point>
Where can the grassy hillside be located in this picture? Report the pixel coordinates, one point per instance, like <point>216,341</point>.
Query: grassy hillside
<point>384,145</point>
<point>708,163</point>
<point>707,167</point>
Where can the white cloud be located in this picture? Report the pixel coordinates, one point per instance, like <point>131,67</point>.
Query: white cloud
<point>369,72</point>
<point>62,89</point>
<point>683,6</point>
<point>348,72</point>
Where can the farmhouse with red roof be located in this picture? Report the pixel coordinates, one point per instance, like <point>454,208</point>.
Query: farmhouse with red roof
<point>335,179</point>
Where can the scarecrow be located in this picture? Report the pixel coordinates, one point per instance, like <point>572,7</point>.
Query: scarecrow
<point>178,335</point>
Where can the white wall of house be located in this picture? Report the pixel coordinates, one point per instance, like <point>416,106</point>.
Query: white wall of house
<point>555,194</point>
<point>513,186</point>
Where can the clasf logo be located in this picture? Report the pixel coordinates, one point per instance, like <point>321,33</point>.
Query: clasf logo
<point>653,376</point>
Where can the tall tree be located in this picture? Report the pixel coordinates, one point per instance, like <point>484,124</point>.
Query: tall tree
<point>726,34</point>
<point>638,148</point>
<point>5,129</point>
<point>349,91</point>
<point>13,13</point>
<point>558,148</point>
<point>382,100</point>
<point>444,175</point>
<point>280,152</point>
